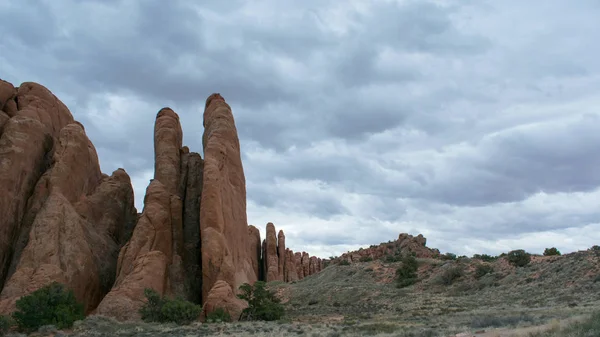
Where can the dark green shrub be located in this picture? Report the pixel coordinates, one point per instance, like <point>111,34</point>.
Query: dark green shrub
<point>451,274</point>
<point>485,257</point>
<point>263,304</point>
<point>5,324</point>
<point>392,258</point>
<point>365,259</point>
<point>551,252</point>
<point>518,258</point>
<point>448,256</point>
<point>53,304</point>
<point>218,315</point>
<point>482,270</point>
<point>162,309</point>
<point>406,275</point>
<point>344,263</point>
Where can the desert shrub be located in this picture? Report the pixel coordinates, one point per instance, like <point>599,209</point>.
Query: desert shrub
<point>482,270</point>
<point>551,252</point>
<point>365,259</point>
<point>218,315</point>
<point>263,304</point>
<point>5,324</point>
<point>485,257</point>
<point>518,258</point>
<point>392,258</point>
<point>448,256</point>
<point>344,263</point>
<point>451,274</point>
<point>53,304</point>
<point>162,309</point>
<point>500,321</point>
<point>406,275</point>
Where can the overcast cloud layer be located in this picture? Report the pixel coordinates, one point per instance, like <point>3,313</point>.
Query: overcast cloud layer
<point>475,123</point>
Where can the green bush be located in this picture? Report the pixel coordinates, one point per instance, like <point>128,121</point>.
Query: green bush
<point>365,259</point>
<point>551,252</point>
<point>162,309</point>
<point>485,257</point>
<point>5,324</point>
<point>518,258</point>
<point>218,315</point>
<point>49,305</point>
<point>451,274</point>
<point>392,258</point>
<point>448,256</point>
<point>344,263</point>
<point>407,273</point>
<point>482,270</point>
<point>263,304</point>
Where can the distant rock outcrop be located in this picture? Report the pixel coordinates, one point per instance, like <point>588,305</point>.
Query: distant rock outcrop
<point>405,244</point>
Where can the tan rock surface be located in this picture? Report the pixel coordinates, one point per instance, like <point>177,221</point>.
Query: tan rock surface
<point>299,267</point>
<point>255,248</point>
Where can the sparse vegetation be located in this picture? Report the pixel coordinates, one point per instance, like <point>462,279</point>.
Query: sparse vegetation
<point>344,263</point>
<point>263,304</point>
<point>485,257</point>
<point>365,259</point>
<point>406,275</point>
<point>162,309</point>
<point>53,304</point>
<point>551,252</point>
<point>518,258</point>
<point>483,269</point>
<point>589,327</point>
<point>218,315</point>
<point>448,256</point>
<point>451,274</point>
<point>5,324</point>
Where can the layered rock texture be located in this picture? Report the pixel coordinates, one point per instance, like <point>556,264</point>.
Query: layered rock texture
<point>62,220</point>
<point>405,244</point>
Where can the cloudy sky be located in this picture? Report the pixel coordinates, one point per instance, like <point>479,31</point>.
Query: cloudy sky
<point>475,123</point>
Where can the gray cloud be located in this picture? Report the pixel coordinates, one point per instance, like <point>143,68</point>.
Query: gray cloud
<point>473,122</point>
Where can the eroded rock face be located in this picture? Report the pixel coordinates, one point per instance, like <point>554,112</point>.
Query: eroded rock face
<point>291,272</point>
<point>223,222</point>
<point>255,249</point>
<point>281,255</point>
<point>164,232</point>
<point>270,258</point>
<point>305,264</point>
<point>299,267</point>
<point>60,218</point>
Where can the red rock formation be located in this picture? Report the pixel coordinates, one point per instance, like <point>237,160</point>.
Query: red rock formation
<point>281,255</point>
<point>291,272</point>
<point>153,258</point>
<point>305,264</point>
<point>270,258</point>
<point>223,222</point>
<point>255,248</point>
<point>312,265</point>
<point>60,218</point>
<point>405,244</point>
<point>299,268</point>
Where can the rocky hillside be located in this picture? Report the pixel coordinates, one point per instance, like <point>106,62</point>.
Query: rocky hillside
<point>61,219</point>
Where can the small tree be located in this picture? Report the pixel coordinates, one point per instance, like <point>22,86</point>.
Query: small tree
<point>407,273</point>
<point>451,274</point>
<point>263,304</point>
<point>518,258</point>
<point>49,305</point>
<point>162,309</point>
<point>551,252</point>
<point>449,256</point>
